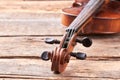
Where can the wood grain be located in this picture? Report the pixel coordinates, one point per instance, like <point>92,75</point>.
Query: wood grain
<point>31,18</point>
<point>31,27</point>
<point>23,27</point>
<point>33,6</point>
<point>37,69</point>
<point>33,46</point>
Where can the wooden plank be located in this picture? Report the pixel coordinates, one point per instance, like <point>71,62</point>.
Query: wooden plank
<point>31,26</point>
<point>47,0</point>
<point>31,18</point>
<point>37,69</point>
<point>33,6</point>
<point>103,46</point>
<point>35,0</point>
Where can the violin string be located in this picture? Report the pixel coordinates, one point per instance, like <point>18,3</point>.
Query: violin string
<point>74,26</point>
<point>82,16</point>
<point>90,11</point>
<point>75,23</point>
<point>67,35</point>
<point>65,39</point>
<point>72,32</point>
<point>77,19</point>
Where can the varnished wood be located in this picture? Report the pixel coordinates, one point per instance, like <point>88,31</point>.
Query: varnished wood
<point>106,20</point>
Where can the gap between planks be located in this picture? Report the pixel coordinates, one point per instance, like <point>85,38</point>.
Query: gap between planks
<point>89,58</point>
<point>36,69</point>
<point>30,46</point>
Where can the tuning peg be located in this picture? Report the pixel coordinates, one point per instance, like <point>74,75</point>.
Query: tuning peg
<point>87,42</point>
<point>79,55</point>
<point>46,56</point>
<point>52,41</point>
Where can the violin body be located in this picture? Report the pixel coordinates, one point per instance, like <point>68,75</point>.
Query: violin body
<point>105,21</point>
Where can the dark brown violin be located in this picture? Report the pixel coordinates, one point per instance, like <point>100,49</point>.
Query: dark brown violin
<point>105,21</point>
<point>61,55</point>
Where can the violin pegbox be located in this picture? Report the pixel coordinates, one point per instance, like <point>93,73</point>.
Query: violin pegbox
<point>60,57</point>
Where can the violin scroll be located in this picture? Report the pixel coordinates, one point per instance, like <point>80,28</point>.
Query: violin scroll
<point>60,57</point>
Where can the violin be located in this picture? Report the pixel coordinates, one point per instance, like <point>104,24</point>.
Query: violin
<point>104,21</point>
<point>60,56</point>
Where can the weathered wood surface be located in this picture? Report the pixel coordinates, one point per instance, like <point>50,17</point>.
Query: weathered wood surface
<point>33,6</point>
<point>22,32</point>
<point>37,69</point>
<point>33,46</point>
<point>27,18</point>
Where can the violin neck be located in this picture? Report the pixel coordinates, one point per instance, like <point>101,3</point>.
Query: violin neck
<point>85,14</point>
